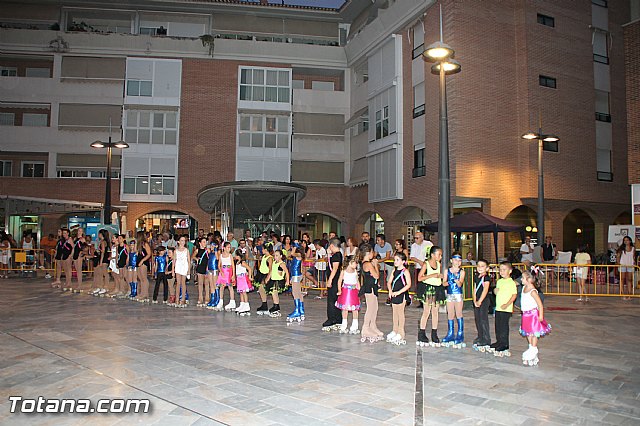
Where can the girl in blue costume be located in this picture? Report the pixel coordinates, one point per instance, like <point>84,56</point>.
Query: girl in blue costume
<point>212,277</point>
<point>455,300</point>
<point>295,272</point>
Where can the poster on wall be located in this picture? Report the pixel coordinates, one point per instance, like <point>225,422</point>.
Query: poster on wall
<point>635,209</point>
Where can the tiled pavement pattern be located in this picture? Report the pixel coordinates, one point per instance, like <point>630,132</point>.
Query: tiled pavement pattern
<point>200,367</point>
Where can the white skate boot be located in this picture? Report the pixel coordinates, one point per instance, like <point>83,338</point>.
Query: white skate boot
<point>230,306</point>
<point>245,309</point>
<point>391,336</point>
<point>343,327</point>
<point>354,327</point>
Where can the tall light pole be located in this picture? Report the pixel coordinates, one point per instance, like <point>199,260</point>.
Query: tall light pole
<point>442,54</point>
<point>107,195</point>
<point>541,138</point>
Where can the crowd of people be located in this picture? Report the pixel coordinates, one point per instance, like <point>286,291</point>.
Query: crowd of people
<point>348,271</point>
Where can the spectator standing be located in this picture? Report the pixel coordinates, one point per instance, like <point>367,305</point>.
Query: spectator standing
<point>419,249</point>
<point>366,241</point>
<point>384,251</point>
<point>48,245</point>
<point>526,251</point>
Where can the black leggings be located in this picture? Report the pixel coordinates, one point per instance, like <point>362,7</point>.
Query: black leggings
<point>161,277</point>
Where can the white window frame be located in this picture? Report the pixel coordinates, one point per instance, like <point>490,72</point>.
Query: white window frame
<point>3,164</point>
<point>132,80</point>
<point>281,134</point>
<point>34,163</point>
<point>264,84</point>
<point>151,128</point>
<point>8,71</point>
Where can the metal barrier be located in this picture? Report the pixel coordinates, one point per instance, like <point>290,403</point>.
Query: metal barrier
<point>599,280</point>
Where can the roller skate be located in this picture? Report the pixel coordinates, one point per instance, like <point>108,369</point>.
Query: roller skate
<point>449,339</point>
<point>93,292</point>
<point>398,340</point>
<point>295,315</point>
<point>369,336</point>
<point>502,351</point>
<point>343,327</point>
<point>171,301</point>
<point>458,343</point>
<point>135,290</point>
<point>481,348</point>
<point>329,326</point>
<point>301,307</point>
<point>220,306</point>
<point>354,327</point>
<point>263,309</point>
<point>155,302</point>
<point>391,336</point>
<point>530,356</point>
<point>274,311</point>
<point>230,306</point>
<point>435,340</point>
<point>215,300</point>
<point>200,304</point>
<point>244,309</point>
<point>102,292</point>
<point>210,303</point>
<point>423,340</point>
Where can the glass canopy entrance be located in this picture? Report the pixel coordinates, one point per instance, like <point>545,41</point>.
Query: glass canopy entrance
<point>258,206</point>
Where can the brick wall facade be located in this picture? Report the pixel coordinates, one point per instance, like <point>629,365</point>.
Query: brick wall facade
<point>632,71</point>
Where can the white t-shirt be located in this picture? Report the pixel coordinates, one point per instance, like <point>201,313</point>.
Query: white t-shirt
<point>527,254</point>
<point>419,251</point>
<point>321,253</point>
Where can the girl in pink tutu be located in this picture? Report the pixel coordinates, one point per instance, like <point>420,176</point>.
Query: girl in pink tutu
<point>533,324</point>
<point>243,282</point>
<point>348,299</point>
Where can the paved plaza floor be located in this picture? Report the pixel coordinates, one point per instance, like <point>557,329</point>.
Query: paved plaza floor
<point>200,367</point>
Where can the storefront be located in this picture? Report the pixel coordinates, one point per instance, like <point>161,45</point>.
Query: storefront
<point>172,222</point>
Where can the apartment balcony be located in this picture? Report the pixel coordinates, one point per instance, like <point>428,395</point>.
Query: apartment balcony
<point>101,44</point>
<point>307,100</point>
<point>52,90</point>
<point>50,139</point>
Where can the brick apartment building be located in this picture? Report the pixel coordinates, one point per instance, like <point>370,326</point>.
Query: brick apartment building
<point>246,114</point>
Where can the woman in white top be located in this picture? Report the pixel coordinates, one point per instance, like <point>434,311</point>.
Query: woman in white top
<point>582,272</point>
<point>181,271</point>
<point>626,256</point>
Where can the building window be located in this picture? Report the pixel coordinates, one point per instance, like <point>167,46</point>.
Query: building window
<point>382,123</point>
<point>7,119</point>
<point>418,40</point>
<point>79,172</point>
<point>155,127</point>
<point>145,185</point>
<point>139,88</point>
<point>8,71</point>
<point>605,176</point>
<point>602,106</point>
<point>35,120</point>
<point>263,131</point>
<point>5,168</point>
<point>547,81</point>
<point>265,85</point>
<point>419,168</point>
<point>601,47</point>
<point>33,169</point>
<point>550,146</point>
<point>418,100</point>
<point>38,72</point>
<point>602,3</point>
<point>549,21</point>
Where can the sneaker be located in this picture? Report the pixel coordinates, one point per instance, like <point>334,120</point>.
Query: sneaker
<point>579,299</point>
<point>48,276</point>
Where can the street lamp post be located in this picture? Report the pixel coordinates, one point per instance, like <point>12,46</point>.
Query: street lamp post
<point>107,195</point>
<point>541,138</point>
<point>442,54</point>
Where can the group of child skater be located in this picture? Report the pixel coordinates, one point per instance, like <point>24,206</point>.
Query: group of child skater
<point>279,267</point>
<point>353,278</point>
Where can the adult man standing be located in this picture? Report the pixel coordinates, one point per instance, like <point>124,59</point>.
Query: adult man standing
<point>232,241</point>
<point>549,251</point>
<point>334,315</point>
<point>366,240</point>
<point>419,249</point>
<point>526,250</point>
<point>384,251</point>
